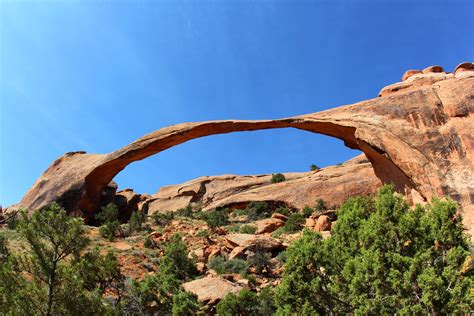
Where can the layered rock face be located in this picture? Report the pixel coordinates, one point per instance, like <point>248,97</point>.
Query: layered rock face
<point>333,184</point>
<point>418,135</point>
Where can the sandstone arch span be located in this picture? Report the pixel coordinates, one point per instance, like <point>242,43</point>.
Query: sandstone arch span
<point>420,137</point>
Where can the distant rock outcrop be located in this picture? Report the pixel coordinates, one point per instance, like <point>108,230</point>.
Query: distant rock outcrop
<point>417,135</point>
<point>332,184</point>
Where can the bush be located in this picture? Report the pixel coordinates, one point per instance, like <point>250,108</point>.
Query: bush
<point>175,260</point>
<point>221,265</point>
<point>294,223</point>
<point>255,210</point>
<point>149,243</point>
<point>109,213</point>
<point>259,259</point>
<point>247,303</point>
<point>283,210</point>
<point>320,205</point>
<point>244,303</point>
<point>217,217</point>
<point>12,221</point>
<point>203,233</point>
<point>247,229</point>
<point>185,211</point>
<point>307,211</point>
<point>162,219</point>
<point>47,279</point>
<point>184,304</point>
<point>136,221</point>
<point>381,257</point>
<point>313,167</point>
<point>278,177</point>
<point>108,230</point>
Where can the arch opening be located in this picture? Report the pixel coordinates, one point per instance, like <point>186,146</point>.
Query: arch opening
<point>166,138</point>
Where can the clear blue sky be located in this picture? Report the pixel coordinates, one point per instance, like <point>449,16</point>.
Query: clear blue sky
<point>96,75</point>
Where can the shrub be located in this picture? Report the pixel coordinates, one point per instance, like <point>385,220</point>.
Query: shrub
<point>12,221</point>
<point>175,260</point>
<point>381,257</point>
<point>247,303</point>
<point>283,210</point>
<point>217,217</point>
<point>307,211</point>
<point>259,259</point>
<point>278,177</point>
<point>108,230</point>
<point>109,213</point>
<point>136,221</point>
<point>108,218</point>
<point>313,167</point>
<point>184,304</point>
<point>256,210</point>
<point>203,233</point>
<point>294,223</point>
<point>320,205</point>
<point>162,219</point>
<point>47,279</point>
<point>244,303</point>
<point>149,242</point>
<point>221,265</point>
<point>247,229</point>
<point>185,211</point>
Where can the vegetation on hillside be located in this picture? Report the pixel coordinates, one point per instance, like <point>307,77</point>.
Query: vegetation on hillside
<point>380,258</point>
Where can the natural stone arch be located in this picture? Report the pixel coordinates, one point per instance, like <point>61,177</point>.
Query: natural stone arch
<point>419,138</point>
<point>165,138</point>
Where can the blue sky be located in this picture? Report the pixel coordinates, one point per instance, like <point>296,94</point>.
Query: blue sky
<point>96,75</point>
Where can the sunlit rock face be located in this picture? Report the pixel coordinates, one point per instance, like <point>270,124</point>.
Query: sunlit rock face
<point>417,135</point>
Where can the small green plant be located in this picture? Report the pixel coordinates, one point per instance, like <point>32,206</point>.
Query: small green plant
<point>136,221</point>
<point>217,217</point>
<point>12,221</point>
<point>108,218</point>
<point>234,228</point>
<point>162,219</point>
<point>255,210</point>
<point>277,233</point>
<point>294,223</point>
<point>203,233</point>
<point>259,259</point>
<point>109,229</point>
<point>307,211</point>
<point>283,210</point>
<point>108,213</point>
<point>278,177</point>
<point>221,265</point>
<point>247,229</point>
<point>313,167</point>
<point>320,205</point>
<point>185,212</point>
<point>247,303</point>
<point>149,243</point>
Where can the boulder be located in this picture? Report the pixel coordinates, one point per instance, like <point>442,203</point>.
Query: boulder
<point>280,216</point>
<point>237,252</point>
<point>433,69</point>
<point>323,223</point>
<point>268,225</point>
<point>210,290</point>
<point>410,73</point>
<point>266,243</point>
<point>310,222</point>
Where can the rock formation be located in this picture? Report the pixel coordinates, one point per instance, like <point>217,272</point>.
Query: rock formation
<point>418,135</point>
<point>332,184</point>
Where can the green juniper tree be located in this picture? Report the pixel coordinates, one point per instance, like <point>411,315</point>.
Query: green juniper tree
<point>381,258</point>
